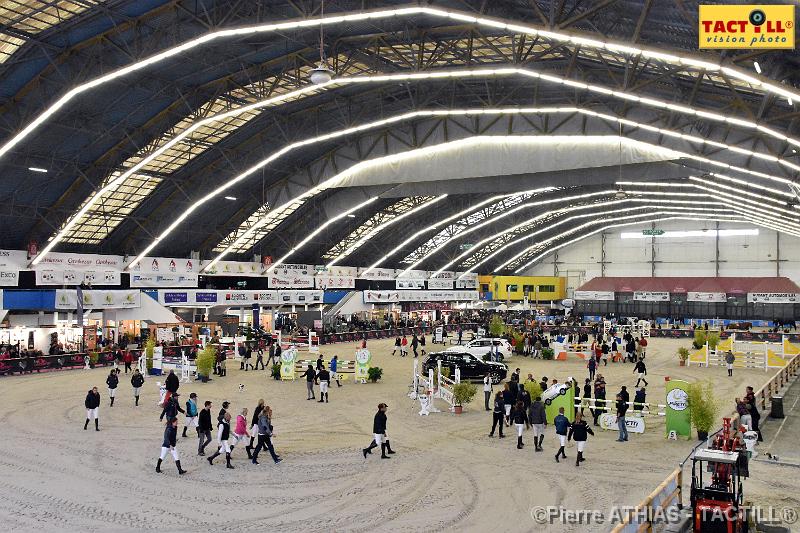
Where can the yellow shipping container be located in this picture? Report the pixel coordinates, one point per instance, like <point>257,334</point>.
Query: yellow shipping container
<point>514,288</point>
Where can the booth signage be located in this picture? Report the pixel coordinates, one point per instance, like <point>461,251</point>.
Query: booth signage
<point>712,297</point>
<point>163,280</point>
<point>91,299</point>
<point>176,297</point>
<point>634,424</point>
<point>677,417</point>
<point>772,297</point>
<point>603,296</point>
<point>648,296</point>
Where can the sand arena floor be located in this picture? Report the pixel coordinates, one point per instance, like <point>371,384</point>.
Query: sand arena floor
<point>447,474</point>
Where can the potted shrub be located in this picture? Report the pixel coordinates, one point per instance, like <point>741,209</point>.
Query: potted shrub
<point>496,326</point>
<point>463,393</point>
<point>94,357</point>
<point>374,374</point>
<point>445,373</point>
<point>149,347</point>
<point>713,340</point>
<point>205,362</point>
<point>276,371</point>
<point>703,407</point>
<point>700,337</point>
<point>548,353</point>
<point>534,389</point>
<point>683,355</point>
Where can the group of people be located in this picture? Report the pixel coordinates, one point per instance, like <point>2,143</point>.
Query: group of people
<point>417,344</point>
<point>322,377</point>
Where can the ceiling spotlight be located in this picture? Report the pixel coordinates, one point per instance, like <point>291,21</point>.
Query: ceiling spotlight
<point>37,169</point>
<point>351,216</point>
<point>757,66</point>
<point>230,198</point>
<point>321,74</point>
<point>620,194</point>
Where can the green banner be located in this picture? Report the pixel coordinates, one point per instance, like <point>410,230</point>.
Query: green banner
<point>678,408</point>
<point>287,363</point>
<point>363,358</point>
<point>566,400</point>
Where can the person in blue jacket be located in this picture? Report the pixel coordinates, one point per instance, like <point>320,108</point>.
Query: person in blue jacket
<point>562,426</point>
<point>334,367</point>
<point>191,415</point>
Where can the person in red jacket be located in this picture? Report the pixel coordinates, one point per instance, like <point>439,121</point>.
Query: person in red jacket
<point>404,346</point>
<point>127,359</point>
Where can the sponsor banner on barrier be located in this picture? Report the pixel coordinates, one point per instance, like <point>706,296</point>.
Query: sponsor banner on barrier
<point>746,27</point>
<point>444,274</point>
<point>336,270</point>
<point>9,278</point>
<point>410,283</point>
<point>594,295</point>
<point>634,424</point>
<point>288,269</point>
<point>63,261</point>
<point>166,265</point>
<point>412,274</point>
<point>649,296</point>
<point>116,299</point>
<point>418,296</point>
<point>377,274</point>
<point>76,277</point>
<point>233,268</point>
<point>772,297</point>
<point>300,297</point>
<point>713,297</point>
<point>13,260</point>
<point>678,415</point>
<point>290,281</point>
<point>440,284</point>
<point>334,282</point>
<point>164,280</point>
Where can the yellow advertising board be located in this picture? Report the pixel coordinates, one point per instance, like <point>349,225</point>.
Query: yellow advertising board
<point>751,26</point>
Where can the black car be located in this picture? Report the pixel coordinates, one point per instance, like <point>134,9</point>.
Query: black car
<point>472,368</point>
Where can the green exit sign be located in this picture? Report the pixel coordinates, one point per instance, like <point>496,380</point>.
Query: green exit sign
<point>467,246</point>
<point>653,232</point>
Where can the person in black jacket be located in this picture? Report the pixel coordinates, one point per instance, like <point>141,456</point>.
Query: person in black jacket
<point>622,408</point>
<point>310,376</point>
<point>519,417</point>
<point>587,394</point>
<point>578,431</point>
<point>223,435</point>
<point>204,428</point>
<point>137,380</point>
<point>171,408</point>
<point>497,414</point>
<point>640,369</point>
<point>92,404</point>
<point>324,378</point>
<point>508,401</point>
<point>112,381</point>
<point>379,433</point>
<point>222,411</point>
<point>168,445</point>
<point>172,382</point>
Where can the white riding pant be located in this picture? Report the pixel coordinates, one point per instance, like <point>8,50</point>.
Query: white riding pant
<point>173,450</point>
<point>93,413</point>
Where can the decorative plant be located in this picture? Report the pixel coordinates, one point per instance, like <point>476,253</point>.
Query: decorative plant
<point>464,392</point>
<point>205,360</point>
<point>703,405</point>
<point>700,338</point>
<point>548,353</point>
<point>712,339</point>
<point>93,358</point>
<point>496,326</point>
<point>683,353</point>
<point>445,373</point>
<point>149,348</point>
<point>374,374</point>
<point>533,388</point>
<point>518,341</point>
<point>276,371</point>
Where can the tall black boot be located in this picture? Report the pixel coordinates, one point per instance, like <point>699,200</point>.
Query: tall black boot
<point>389,448</point>
<point>369,449</point>
<point>241,365</point>
<point>558,453</point>
<point>137,401</point>
<point>112,402</point>
<point>180,470</point>
<point>383,452</point>
<point>86,425</point>
<point>562,453</point>
<point>249,452</point>
<point>519,443</point>
<point>184,432</point>
<point>97,424</point>
<point>326,397</point>
<point>579,459</point>
<point>158,466</point>
<point>211,459</point>
<point>228,461</point>
<point>541,440</point>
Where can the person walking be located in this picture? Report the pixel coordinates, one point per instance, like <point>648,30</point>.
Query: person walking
<point>422,344</point>
<point>397,347</point>
<point>127,359</point>
<point>520,419</point>
<point>487,390</point>
<point>191,415</point>
<point>587,395</point>
<point>310,376</point>
<point>404,346</point>
<point>204,428</point>
<point>265,435</point>
<point>334,370</point>
<point>324,379</point>
<point>319,363</point>
<point>171,408</point>
<point>240,432</point>
<point>112,381</point>
<point>498,414</point>
<point>752,406</point>
<point>259,358</point>
<point>172,384</point>
<point>223,434</point>
<point>508,401</point>
<point>579,430</point>
<point>168,446</point>
<point>379,434</point>
<point>562,426</point>
<point>622,408</point>
<point>271,353</point>
<point>639,400</point>
<point>254,423</point>
<point>729,360</point>
<point>92,404</point>
<point>538,419</point>
<point>414,345</point>
<point>592,366</point>
<point>641,369</point>
<point>599,398</point>
<point>137,380</point>
<point>221,414</point>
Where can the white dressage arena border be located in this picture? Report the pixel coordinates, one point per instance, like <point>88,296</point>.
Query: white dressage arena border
<point>642,327</point>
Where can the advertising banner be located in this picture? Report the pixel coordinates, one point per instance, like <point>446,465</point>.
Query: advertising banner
<point>288,358</point>
<point>419,296</point>
<point>164,280</point>
<point>466,280</point>
<point>677,418</point>
<point>648,296</point>
<point>444,274</point>
<point>119,299</point>
<point>11,262</point>
<point>746,27</point>
<point>281,281</point>
<point>336,270</point>
<point>363,358</point>
<point>602,296</point>
<point>772,297</point>
<point>634,424</point>
<point>440,284</point>
<point>62,262</point>
<point>403,283</point>
<point>233,268</point>
<point>300,297</point>
<point>166,265</point>
<point>386,274</point>
<point>334,282</point>
<point>9,278</point>
<point>76,277</point>
<point>567,401</point>
<point>711,297</point>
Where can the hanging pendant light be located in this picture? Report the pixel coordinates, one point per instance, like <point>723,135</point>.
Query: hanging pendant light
<point>322,73</point>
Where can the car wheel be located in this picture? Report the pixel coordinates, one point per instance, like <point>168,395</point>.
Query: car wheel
<point>548,401</point>
<point>495,377</point>
<point>562,392</point>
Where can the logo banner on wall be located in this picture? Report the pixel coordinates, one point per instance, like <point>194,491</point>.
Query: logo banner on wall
<point>634,424</point>
<point>444,274</point>
<point>772,297</point>
<point>410,283</point>
<point>648,296</point>
<point>166,265</point>
<point>440,284</point>
<point>234,268</point>
<point>300,297</point>
<point>76,277</point>
<point>746,27</point>
<point>119,299</point>
<point>82,262</point>
<point>9,278</point>
<point>712,297</point>
<point>377,274</point>
<point>594,295</point>
<point>336,271</point>
<point>334,282</point>
<point>419,296</point>
<point>164,280</point>
<point>677,417</point>
<point>281,281</point>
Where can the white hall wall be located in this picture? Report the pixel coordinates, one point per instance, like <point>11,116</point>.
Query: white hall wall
<point>746,255</point>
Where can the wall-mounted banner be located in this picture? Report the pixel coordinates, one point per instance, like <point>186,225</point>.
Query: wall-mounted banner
<point>238,298</point>
<point>94,262</point>
<point>439,284</point>
<point>381,297</point>
<point>119,299</point>
<point>9,278</point>
<point>300,297</point>
<point>772,297</point>
<point>288,269</point>
<point>76,277</point>
<point>336,270</point>
<point>712,297</point>
<point>746,27</point>
<point>403,283</point>
<point>412,274</point>
<point>13,260</point>
<point>467,280</point>
<point>166,265</point>
<point>601,296</point>
<point>444,274</point>
<point>233,268</point>
<point>678,414</point>
<point>334,282</point>
<point>291,281</point>
<point>378,274</point>
<point>648,296</point>
<point>419,296</point>
<point>164,280</point>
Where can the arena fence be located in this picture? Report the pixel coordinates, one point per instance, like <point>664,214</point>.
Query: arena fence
<point>388,333</point>
<point>645,517</point>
